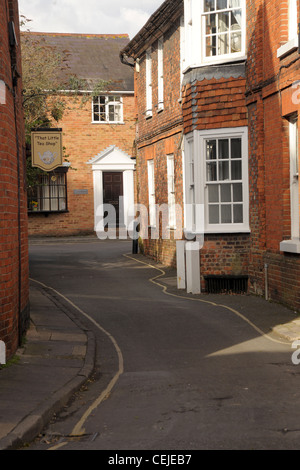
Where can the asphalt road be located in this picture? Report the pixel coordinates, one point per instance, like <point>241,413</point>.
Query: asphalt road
<point>175,374</point>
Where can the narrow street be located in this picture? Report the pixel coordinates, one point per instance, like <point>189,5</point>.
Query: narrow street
<point>171,373</point>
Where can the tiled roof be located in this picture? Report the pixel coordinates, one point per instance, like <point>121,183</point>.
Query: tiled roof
<point>92,57</point>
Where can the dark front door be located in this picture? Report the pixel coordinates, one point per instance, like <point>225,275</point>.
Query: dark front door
<point>112,190</point>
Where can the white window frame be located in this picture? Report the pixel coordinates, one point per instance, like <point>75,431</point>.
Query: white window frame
<point>149,82</point>
<point>293,40</point>
<point>293,19</point>
<point>118,101</point>
<point>199,138</point>
<point>189,172</point>
<point>171,191</point>
<point>160,74</point>
<point>2,92</point>
<point>194,25</point>
<point>151,193</point>
<point>182,55</point>
<point>293,245</point>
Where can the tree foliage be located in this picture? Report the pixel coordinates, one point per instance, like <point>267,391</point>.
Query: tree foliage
<point>46,79</point>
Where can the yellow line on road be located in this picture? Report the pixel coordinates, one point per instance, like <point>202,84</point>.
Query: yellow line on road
<point>154,280</point>
<point>78,429</point>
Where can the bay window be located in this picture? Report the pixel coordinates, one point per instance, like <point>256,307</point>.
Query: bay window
<point>219,27</point>
<point>219,179</point>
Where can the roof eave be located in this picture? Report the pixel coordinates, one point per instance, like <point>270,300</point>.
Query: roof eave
<point>158,23</point>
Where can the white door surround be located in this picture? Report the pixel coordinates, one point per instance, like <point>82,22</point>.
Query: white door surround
<point>112,159</point>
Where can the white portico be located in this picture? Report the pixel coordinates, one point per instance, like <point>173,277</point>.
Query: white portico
<point>113,164</point>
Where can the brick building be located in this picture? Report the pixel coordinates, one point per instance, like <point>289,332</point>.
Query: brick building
<point>98,135</point>
<point>14,303</point>
<point>156,52</point>
<point>217,93</point>
<point>273,68</point>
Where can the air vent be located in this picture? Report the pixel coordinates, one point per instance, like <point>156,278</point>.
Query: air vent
<point>226,284</point>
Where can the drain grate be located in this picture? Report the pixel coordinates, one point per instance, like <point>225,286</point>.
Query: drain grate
<point>226,284</point>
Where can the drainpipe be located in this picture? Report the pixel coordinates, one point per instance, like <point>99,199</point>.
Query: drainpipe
<point>125,61</point>
<point>266,282</point>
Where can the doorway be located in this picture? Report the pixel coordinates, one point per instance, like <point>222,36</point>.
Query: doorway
<point>113,195</point>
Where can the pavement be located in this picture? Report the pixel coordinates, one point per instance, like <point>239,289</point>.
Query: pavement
<point>58,354</point>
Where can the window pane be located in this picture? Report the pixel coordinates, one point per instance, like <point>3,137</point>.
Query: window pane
<point>236,148</point>
<point>102,99</point>
<point>221,4</point>
<point>213,193</point>
<point>236,42</point>
<point>236,20</point>
<point>209,5</point>
<point>214,215</point>
<point>211,24</point>
<point>118,113</point>
<point>211,172</point>
<point>211,150</point>
<point>234,3</point>
<point>102,113</point>
<point>238,192</point>
<point>226,193</point>
<point>192,172</point>
<point>236,170</point>
<point>111,113</point>
<point>224,148</point>
<point>238,213</point>
<point>211,49</point>
<point>223,22</point>
<point>223,171</point>
<point>223,44</point>
<point>226,214</point>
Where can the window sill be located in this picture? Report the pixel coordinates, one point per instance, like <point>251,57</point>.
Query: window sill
<point>108,122</point>
<point>65,211</point>
<point>237,228</point>
<point>287,48</point>
<point>290,246</point>
<point>223,61</point>
<point>221,231</point>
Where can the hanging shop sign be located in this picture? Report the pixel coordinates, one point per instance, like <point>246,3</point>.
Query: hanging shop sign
<point>46,149</point>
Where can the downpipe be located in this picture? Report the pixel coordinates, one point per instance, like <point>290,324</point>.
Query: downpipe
<point>266,282</point>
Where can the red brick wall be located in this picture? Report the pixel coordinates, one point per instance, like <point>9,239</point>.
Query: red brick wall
<point>160,136</point>
<point>220,103</point>
<point>14,306</point>
<point>83,141</point>
<point>161,122</point>
<point>269,100</point>
<point>160,250</point>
